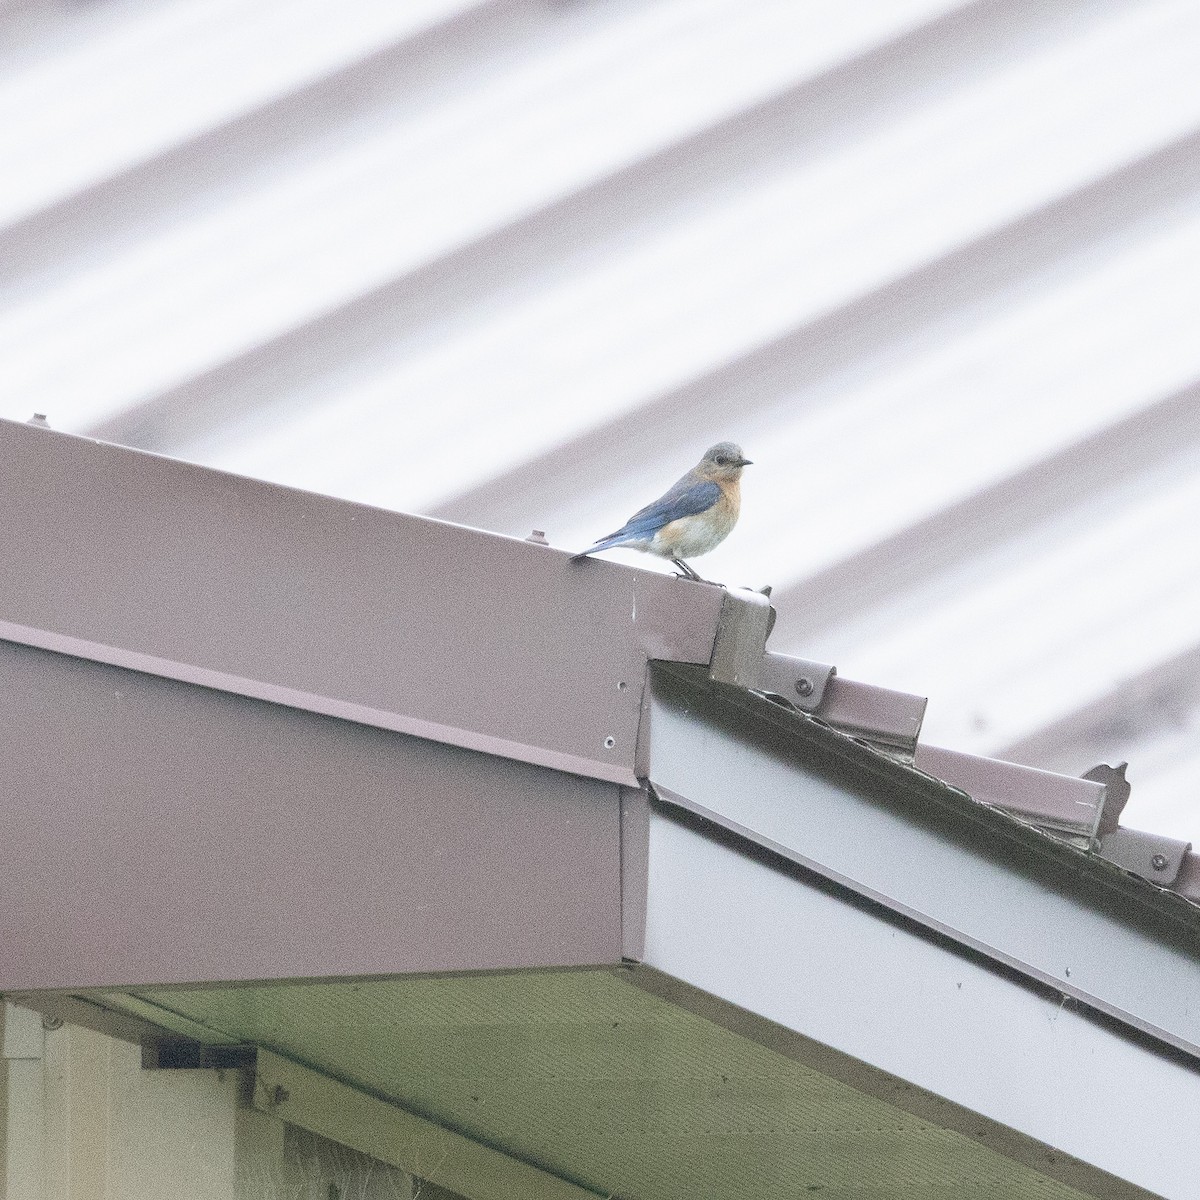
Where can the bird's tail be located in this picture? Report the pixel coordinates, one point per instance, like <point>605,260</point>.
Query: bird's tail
<point>613,539</point>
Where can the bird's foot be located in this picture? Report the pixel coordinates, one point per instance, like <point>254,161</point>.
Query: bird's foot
<point>686,572</point>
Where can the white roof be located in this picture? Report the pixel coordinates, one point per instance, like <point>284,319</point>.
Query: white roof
<point>935,265</point>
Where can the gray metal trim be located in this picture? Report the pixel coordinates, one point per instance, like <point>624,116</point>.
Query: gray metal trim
<point>873,713</point>
<point>1056,801</point>
<point>328,706</point>
<point>1116,793</point>
<point>862,710</point>
<point>231,839</point>
<point>635,866</point>
<point>908,842</point>
<point>1153,857</point>
<point>797,680</point>
<point>818,976</point>
<point>469,638</point>
<point>1187,883</point>
<point>741,638</point>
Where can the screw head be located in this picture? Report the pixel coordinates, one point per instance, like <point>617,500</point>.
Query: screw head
<point>805,686</point>
<point>1159,862</point>
<point>609,743</point>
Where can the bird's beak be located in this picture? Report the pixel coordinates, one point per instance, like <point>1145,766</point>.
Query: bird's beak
<point>746,462</point>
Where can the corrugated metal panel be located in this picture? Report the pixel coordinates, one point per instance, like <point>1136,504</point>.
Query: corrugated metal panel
<point>515,263</point>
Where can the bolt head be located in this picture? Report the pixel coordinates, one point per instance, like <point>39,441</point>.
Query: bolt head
<point>1159,862</point>
<point>805,686</point>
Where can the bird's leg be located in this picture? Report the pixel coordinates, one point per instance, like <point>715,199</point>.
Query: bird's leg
<point>688,573</point>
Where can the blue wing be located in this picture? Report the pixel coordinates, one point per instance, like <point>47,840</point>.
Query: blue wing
<point>687,498</point>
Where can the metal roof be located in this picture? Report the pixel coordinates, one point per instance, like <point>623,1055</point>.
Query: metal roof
<point>303,753</point>
<point>514,262</point>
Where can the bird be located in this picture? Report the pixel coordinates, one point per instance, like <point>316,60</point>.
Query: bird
<point>691,518</point>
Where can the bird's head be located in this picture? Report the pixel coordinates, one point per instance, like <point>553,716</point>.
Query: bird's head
<point>723,463</point>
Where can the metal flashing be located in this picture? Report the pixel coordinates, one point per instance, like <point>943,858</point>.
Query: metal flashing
<point>916,845</point>
<point>232,839</point>
<point>383,618</point>
<point>1058,802</point>
<point>873,714</point>
<point>740,658</point>
<point>1187,882</point>
<point>741,638</point>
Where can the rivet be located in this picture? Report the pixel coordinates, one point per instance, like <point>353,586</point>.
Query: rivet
<point>804,686</point>
<point>52,1023</point>
<point>609,743</point>
<point>1159,862</point>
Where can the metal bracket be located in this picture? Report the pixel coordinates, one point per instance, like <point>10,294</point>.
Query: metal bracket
<point>739,657</point>
<point>796,680</point>
<point>1149,855</point>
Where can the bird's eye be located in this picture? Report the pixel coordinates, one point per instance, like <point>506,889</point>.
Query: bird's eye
<point>721,460</point>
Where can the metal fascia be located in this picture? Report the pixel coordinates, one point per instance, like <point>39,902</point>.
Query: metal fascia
<point>196,835</point>
<point>962,870</point>
<point>454,634</point>
<point>329,706</point>
<point>789,954</point>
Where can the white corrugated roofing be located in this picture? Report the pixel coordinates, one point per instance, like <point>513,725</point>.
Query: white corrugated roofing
<point>936,265</point>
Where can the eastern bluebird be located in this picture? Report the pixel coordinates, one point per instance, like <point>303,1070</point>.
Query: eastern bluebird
<point>694,517</point>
